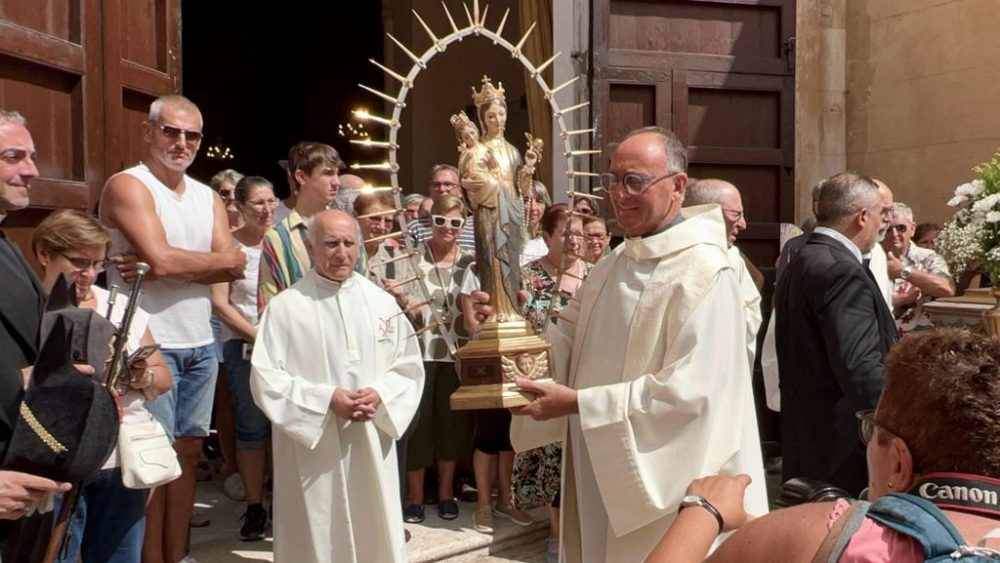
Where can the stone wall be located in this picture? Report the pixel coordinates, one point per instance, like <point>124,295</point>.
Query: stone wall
<point>903,90</point>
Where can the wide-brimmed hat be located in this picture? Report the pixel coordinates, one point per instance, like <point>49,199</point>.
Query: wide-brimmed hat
<point>67,423</point>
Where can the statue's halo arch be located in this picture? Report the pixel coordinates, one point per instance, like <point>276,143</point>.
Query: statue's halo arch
<point>407,82</point>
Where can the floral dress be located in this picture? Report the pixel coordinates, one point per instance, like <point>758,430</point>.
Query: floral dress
<point>536,472</point>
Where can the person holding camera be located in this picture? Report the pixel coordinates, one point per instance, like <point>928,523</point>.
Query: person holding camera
<point>933,474</point>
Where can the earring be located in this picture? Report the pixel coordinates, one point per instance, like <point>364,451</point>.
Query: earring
<point>889,484</point>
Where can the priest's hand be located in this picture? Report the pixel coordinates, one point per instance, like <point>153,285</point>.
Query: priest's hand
<point>481,305</point>
<point>551,400</point>
<point>726,494</point>
<point>342,403</point>
<point>366,404</point>
<point>20,491</point>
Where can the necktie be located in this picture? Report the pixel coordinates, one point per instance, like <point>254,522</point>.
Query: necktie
<point>867,263</point>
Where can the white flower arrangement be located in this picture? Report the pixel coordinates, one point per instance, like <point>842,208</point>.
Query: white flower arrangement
<point>973,234</point>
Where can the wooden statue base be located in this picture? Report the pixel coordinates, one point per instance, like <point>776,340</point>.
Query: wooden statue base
<point>491,396</point>
<point>488,364</point>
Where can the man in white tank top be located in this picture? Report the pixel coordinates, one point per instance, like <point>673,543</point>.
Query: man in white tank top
<point>158,214</point>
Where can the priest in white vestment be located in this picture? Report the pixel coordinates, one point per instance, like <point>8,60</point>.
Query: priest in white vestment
<point>727,196</point>
<point>339,374</point>
<point>653,382</point>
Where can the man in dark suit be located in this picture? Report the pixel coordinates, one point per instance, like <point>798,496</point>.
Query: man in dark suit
<point>833,332</point>
<point>21,300</point>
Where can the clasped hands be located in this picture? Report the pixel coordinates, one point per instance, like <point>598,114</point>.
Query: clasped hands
<point>552,400</point>
<point>359,406</point>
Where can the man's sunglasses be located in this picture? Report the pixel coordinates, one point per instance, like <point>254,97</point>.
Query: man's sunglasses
<point>453,222</point>
<point>900,228</point>
<point>171,132</point>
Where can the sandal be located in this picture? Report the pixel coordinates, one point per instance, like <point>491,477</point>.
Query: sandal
<point>414,514</point>
<point>447,509</point>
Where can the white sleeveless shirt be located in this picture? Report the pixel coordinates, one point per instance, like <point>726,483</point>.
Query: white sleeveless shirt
<point>179,311</point>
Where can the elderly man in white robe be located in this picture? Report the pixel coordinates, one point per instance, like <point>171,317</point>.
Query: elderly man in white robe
<point>339,374</point>
<point>653,385</point>
<point>727,196</point>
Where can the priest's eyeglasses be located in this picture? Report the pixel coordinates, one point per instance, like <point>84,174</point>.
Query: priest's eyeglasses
<point>81,264</point>
<point>634,184</point>
<point>453,222</point>
<point>867,425</point>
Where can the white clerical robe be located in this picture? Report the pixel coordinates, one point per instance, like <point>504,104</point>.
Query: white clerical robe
<point>656,347</point>
<point>336,483</point>
<point>751,301</point>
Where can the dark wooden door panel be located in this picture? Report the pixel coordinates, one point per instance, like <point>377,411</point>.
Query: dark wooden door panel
<point>83,73</point>
<point>44,62</point>
<point>720,74</point>
<point>140,64</point>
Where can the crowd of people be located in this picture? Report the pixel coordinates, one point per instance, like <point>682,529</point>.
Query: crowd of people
<point>332,317</point>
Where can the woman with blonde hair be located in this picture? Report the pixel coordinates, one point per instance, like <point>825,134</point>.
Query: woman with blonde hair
<point>440,434</point>
<point>109,522</point>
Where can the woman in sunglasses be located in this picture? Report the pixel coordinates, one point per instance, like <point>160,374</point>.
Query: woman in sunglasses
<point>440,434</point>
<point>109,521</point>
<point>932,441</point>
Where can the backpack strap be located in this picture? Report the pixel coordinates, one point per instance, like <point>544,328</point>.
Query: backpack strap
<point>921,520</point>
<point>840,533</point>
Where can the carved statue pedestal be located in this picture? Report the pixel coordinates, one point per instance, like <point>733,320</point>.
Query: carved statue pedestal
<point>488,364</point>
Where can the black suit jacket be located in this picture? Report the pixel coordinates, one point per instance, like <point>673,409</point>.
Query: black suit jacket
<point>21,302</point>
<point>833,331</point>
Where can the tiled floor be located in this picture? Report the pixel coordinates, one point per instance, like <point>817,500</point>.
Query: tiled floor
<point>433,540</point>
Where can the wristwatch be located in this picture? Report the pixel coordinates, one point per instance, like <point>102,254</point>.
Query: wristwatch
<point>906,272</point>
<point>695,500</point>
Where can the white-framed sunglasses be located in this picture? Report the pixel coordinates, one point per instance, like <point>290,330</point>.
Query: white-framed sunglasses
<point>453,222</point>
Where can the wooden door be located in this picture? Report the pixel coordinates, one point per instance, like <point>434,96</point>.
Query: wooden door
<point>720,74</point>
<point>83,73</point>
<point>142,61</point>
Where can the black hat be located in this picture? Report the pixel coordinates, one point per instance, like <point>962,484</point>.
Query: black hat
<point>90,334</point>
<point>67,423</point>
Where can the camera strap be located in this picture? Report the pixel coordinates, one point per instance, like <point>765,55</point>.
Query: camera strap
<point>961,492</point>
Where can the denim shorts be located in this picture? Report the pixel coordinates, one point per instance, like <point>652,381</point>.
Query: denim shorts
<point>252,427</point>
<point>109,521</point>
<point>186,410</point>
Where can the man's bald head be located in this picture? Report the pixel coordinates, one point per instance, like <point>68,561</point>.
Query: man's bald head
<point>334,243</point>
<point>708,190</point>
<point>727,196</point>
<point>351,182</point>
<point>350,187</point>
<point>885,199</point>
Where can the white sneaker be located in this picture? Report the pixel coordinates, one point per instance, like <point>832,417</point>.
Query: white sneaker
<point>233,487</point>
<point>188,559</point>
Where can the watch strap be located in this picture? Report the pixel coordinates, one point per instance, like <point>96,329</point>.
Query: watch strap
<point>703,503</point>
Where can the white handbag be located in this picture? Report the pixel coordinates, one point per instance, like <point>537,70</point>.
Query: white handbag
<point>145,455</point>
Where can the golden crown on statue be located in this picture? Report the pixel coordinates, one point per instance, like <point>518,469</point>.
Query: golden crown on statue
<point>460,121</point>
<point>488,94</point>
